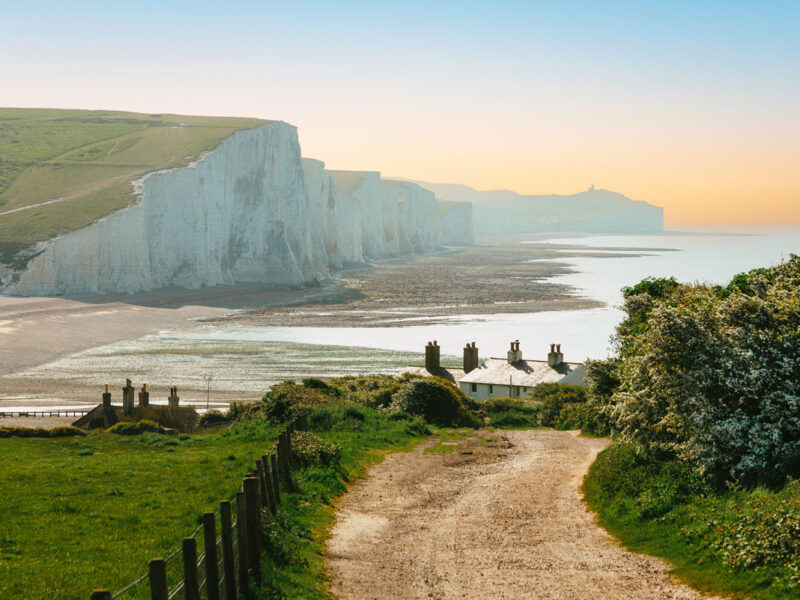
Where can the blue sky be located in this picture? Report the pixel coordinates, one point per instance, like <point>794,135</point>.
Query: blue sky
<point>671,102</point>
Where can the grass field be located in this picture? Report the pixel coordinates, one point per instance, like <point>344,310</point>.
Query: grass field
<point>81,513</point>
<point>85,160</point>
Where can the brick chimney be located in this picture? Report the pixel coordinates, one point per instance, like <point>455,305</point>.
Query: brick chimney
<point>173,399</point>
<point>127,397</point>
<point>515,354</point>
<point>144,396</point>
<point>470,357</point>
<point>106,397</point>
<point>432,352</point>
<point>555,357</point>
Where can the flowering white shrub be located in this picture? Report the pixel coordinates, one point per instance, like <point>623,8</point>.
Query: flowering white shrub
<point>714,373</point>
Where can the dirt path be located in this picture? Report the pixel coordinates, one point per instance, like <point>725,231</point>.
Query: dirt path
<point>501,518</point>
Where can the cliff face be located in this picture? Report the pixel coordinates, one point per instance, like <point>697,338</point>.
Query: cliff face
<point>457,222</point>
<point>250,211</point>
<point>504,211</point>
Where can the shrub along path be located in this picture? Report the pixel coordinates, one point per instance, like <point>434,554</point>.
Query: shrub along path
<point>500,516</point>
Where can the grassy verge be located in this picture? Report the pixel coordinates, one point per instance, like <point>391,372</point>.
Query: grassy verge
<point>87,512</point>
<point>745,543</point>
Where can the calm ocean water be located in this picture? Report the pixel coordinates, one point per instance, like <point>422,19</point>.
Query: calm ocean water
<point>625,260</point>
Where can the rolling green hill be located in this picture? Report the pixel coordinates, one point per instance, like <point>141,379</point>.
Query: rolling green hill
<point>60,170</point>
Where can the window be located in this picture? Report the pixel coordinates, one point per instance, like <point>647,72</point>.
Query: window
<point>474,387</point>
<point>491,389</point>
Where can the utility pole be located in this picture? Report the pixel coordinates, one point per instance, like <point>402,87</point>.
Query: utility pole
<point>208,379</point>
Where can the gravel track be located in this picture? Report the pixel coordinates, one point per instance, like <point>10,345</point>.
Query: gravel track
<point>500,517</point>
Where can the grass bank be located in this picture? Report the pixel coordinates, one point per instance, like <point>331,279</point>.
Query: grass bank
<point>88,158</point>
<point>740,542</point>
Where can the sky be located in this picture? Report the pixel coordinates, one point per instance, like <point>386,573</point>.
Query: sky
<point>694,106</point>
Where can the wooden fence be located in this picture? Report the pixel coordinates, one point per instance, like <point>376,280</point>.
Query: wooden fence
<point>231,559</point>
<point>44,413</point>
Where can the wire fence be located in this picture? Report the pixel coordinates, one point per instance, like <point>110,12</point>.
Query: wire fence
<point>231,538</point>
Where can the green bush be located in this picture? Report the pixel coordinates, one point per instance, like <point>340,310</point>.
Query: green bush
<point>212,418</point>
<point>744,540</point>
<point>374,391</point>
<point>559,404</point>
<point>320,419</point>
<point>648,482</point>
<point>435,400</point>
<point>713,372</point>
<point>287,401</point>
<point>355,414</point>
<point>319,384</point>
<point>136,428</point>
<point>38,432</point>
<point>761,529</point>
<point>400,416</point>
<point>416,427</point>
<point>308,450</point>
<point>511,413</point>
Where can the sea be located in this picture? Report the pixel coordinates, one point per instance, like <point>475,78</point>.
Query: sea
<point>616,261</point>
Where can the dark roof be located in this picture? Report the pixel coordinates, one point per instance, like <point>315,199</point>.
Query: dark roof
<point>100,416</point>
<point>451,374</point>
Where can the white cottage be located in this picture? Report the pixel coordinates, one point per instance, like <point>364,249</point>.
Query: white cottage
<point>503,377</point>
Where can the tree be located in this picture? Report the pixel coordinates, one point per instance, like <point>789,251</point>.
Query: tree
<point>713,374</point>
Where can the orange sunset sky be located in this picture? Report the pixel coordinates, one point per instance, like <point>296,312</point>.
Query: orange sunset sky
<point>694,106</point>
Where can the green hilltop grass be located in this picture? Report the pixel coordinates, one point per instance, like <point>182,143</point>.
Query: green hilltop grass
<point>88,158</point>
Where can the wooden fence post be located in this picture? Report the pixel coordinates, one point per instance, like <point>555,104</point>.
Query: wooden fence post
<point>276,487</point>
<point>251,486</point>
<point>301,423</point>
<point>283,456</point>
<point>285,451</point>
<point>262,483</point>
<point>273,506</point>
<point>289,459</point>
<point>241,542</point>
<point>228,565</point>
<point>281,451</point>
<point>212,561</point>
<point>191,583</point>
<point>157,570</point>
<point>100,595</point>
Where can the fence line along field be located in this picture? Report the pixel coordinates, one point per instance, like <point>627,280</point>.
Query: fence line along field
<point>83,512</point>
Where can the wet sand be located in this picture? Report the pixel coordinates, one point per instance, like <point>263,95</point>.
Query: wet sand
<point>499,276</point>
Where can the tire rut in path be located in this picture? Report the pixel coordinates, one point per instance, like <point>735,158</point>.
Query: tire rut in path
<point>498,518</point>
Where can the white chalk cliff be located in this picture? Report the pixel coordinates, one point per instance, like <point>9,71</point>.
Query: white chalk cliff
<point>250,211</point>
